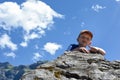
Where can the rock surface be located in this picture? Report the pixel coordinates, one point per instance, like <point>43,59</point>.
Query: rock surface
<point>76,66</point>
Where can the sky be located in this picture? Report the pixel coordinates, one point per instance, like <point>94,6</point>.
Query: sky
<point>33,30</point>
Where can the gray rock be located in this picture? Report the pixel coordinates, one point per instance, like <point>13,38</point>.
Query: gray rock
<point>76,66</point>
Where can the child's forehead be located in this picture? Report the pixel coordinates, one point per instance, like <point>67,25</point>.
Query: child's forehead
<point>86,34</point>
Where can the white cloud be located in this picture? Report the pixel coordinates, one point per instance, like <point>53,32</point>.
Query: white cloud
<point>32,36</point>
<point>23,44</point>
<point>117,0</point>
<point>36,57</point>
<point>52,47</point>
<point>97,7</point>
<point>11,54</point>
<point>5,41</point>
<point>33,16</point>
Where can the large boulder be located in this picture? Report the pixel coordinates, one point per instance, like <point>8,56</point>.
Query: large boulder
<point>76,66</point>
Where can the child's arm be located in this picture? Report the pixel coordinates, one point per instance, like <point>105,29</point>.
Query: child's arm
<point>97,50</point>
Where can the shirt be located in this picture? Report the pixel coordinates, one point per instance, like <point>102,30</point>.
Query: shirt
<point>72,46</point>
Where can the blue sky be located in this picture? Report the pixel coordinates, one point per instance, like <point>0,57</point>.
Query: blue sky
<point>32,30</point>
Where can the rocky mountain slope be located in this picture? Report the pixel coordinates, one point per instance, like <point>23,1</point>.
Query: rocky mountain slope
<point>76,66</point>
<point>10,72</point>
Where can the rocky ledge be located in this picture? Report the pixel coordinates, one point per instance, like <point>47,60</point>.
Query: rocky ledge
<point>76,66</point>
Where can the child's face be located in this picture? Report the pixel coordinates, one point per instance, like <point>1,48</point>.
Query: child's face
<point>84,39</point>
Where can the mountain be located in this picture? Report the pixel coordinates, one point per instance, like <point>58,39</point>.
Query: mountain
<point>10,72</point>
<point>76,66</point>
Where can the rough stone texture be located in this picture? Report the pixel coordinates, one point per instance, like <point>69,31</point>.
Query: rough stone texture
<point>76,66</point>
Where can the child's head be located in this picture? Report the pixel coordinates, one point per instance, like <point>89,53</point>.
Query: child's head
<point>84,38</point>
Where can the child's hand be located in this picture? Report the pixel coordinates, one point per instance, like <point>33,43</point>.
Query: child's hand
<point>93,49</point>
<point>83,49</point>
<point>96,50</point>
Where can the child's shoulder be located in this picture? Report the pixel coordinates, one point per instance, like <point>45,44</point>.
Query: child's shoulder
<point>72,46</point>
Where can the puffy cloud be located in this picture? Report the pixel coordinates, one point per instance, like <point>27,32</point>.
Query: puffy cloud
<point>52,47</point>
<point>33,16</point>
<point>24,44</point>
<point>5,41</point>
<point>32,36</point>
<point>11,54</point>
<point>97,7</point>
<point>36,57</point>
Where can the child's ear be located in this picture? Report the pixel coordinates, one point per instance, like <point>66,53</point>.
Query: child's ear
<point>77,39</point>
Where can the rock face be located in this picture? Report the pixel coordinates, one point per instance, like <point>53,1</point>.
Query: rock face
<point>76,66</point>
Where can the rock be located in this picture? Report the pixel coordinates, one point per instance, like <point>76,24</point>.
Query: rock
<point>76,66</point>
